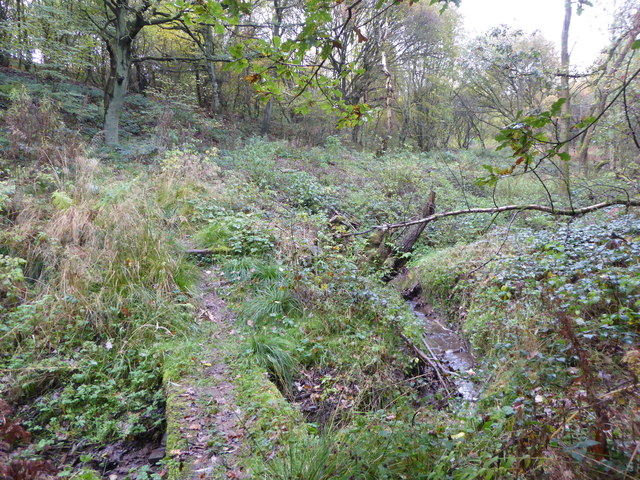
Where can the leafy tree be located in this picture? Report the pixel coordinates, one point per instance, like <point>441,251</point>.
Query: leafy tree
<point>610,77</point>
<point>118,24</point>
<point>426,57</point>
<point>510,73</point>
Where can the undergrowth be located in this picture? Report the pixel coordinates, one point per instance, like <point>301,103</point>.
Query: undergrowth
<point>553,309</point>
<point>96,294</point>
<point>92,287</point>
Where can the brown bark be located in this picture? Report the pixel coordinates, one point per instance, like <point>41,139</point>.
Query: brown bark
<point>396,257</point>
<point>409,239</point>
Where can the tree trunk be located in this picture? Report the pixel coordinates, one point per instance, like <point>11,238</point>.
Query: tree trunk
<point>201,100</point>
<point>216,104</point>
<point>120,51</point>
<point>266,120</point>
<point>19,30</point>
<point>5,59</point>
<point>395,257</point>
<point>277,22</point>
<point>116,90</point>
<point>413,233</point>
<point>388,85</point>
<point>565,119</point>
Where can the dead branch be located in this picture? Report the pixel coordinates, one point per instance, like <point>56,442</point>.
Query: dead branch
<point>569,212</point>
<point>427,359</point>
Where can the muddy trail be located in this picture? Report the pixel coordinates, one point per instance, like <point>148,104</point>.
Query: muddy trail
<point>203,417</point>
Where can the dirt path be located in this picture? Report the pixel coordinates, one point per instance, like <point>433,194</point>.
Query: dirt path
<point>205,431</point>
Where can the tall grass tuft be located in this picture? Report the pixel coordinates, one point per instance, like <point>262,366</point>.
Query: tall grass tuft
<point>248,268</point>
<point>273,353</point>
<point>314,459</point>
<point>272,303</point>
<point>341,455</point>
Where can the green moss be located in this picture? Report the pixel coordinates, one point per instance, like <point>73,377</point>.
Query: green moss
<point>174,412</point>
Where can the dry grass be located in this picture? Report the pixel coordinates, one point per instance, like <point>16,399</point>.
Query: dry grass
<point>105,259</point>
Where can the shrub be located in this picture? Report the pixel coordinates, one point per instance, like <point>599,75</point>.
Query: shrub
<point>31,123</point>
<point>304,191</point>
<point>37,132</point>
<point>6,191</point>
<point>11,277</point>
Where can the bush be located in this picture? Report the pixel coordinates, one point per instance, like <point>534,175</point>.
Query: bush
<point>32,124</point>
<point>235,235</point>
<point>11,277</point>
<point>304,191</point>
<point>37,132</point>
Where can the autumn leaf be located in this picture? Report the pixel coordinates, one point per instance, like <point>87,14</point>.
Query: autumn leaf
<point>253,78</point>
<point>361,37</point>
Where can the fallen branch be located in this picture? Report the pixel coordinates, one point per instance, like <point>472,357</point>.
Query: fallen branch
<point>427,359</point>
<point>435,357</point>
<point>198,251</point>
<point>569,212</point>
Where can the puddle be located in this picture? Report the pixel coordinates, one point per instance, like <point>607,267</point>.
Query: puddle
<point>448,347</point>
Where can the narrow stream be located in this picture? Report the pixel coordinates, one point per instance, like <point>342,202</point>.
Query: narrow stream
<point>448,348</point>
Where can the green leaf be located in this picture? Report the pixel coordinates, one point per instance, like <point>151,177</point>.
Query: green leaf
<point>585,122</point>
<point>557,106</point>
<point>635,45</point>
<point>61,200</point>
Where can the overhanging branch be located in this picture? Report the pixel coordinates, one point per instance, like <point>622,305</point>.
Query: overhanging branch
<point>569,212</point>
